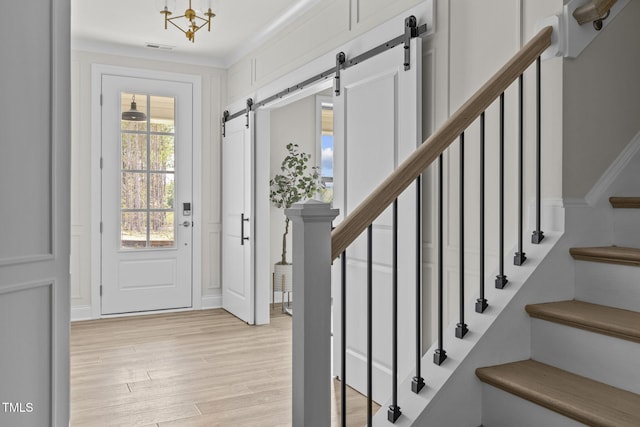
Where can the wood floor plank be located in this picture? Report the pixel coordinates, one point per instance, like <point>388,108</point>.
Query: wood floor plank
<point>579,398</point>
<point>200,368</point>
<point>135,418</point>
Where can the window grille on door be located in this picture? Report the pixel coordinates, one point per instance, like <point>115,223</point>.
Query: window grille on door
<point>147,173</point>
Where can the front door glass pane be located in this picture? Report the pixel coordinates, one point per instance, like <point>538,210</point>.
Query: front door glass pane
<point>162,189</point>
<point>147,189</point>
<point>161,229</point>
<point>134,191</point>
<point>134,230</point>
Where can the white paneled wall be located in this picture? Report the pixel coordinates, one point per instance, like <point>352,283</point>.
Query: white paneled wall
<point>329,24</point>
<point>35,234</point>
<point>470,43</point>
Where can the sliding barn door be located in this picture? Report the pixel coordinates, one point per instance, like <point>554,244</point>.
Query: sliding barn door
<point>35,232</point>
<point>237,219</point>
<point>376,126</point>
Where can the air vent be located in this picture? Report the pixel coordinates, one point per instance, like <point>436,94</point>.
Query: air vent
<point>159,46</point>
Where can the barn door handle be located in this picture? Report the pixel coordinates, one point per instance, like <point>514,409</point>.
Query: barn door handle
<point>242,221</point>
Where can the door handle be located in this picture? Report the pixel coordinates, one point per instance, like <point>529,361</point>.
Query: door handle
<point>186,224</point>
<point>242,221</point>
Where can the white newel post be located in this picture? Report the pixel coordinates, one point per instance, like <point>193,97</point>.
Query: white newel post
<point>311,312</point>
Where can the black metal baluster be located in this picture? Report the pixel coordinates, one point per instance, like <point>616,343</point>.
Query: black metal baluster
<point>520,257</point>
<point>369,325</point>
<point>343,341</point>
<point>538,235</point>
<point>501,279</point>
<point>394,410</point>
<point>481,303</point>
<point>418,382</point>
<point>461,327</point>
<point>440,355</point>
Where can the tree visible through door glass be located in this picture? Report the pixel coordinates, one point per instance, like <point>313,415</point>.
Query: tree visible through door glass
<point>147,190</point>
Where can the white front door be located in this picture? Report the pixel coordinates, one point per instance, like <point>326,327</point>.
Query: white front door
<point>237,218</point>
<point>146,195</point>
<point>376,126</point>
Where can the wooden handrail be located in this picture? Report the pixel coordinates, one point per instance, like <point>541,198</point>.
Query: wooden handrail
<point>389,190</point>
<point>590,12</point>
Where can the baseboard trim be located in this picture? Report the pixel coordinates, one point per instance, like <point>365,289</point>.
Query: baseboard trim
<point>81,312</point>
<point>575,202</point>
<point>211,301</point>
<point>85,312</point>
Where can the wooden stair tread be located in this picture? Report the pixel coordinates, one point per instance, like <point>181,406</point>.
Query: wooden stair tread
<point>625,202</point>
<point>608,254</point>
<point>615,322</point>
<point>580,398</point>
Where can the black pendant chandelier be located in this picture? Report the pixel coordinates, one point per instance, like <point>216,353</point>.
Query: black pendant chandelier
<point>133,115</point>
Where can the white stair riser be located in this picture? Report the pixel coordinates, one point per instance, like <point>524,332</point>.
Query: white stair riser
<point>502,409</point>
<point>626,228</point>
<point>600,357</point>
<point>613,285</point>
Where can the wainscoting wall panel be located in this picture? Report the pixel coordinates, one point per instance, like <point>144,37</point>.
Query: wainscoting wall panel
<point>26,319</point>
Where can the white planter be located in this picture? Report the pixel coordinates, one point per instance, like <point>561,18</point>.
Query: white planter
<point>283,277</point>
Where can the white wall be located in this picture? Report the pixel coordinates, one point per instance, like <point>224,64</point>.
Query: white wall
<point>34,236</point>
<point>471,42</point>
<point>601,102</point>
<point>213,91</point>
<point>327,25</point>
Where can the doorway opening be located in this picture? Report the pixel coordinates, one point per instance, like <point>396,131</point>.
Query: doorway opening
<point>324,113</point>
<point>306,121</point>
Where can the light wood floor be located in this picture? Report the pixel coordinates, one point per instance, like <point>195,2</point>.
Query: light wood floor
<point>199,368</point>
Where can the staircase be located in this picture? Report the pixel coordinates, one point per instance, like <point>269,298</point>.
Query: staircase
<point>585,365</point>
<point>581,365</point>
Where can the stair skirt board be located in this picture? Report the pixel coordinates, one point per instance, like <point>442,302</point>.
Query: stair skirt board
<point>573,396</point>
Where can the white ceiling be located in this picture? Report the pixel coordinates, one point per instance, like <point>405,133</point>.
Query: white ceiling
<point>126,26</point>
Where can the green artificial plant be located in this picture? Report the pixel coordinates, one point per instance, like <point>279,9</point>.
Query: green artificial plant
<point>297,182</point>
